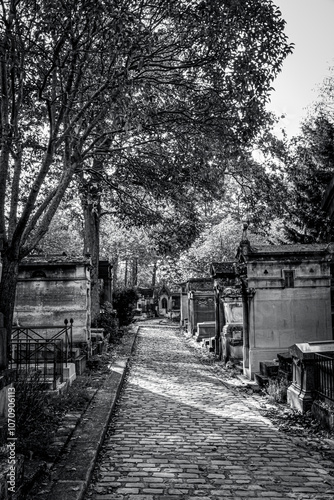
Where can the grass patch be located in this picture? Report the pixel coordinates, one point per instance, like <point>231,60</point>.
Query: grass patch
<point>277,390</point>
<point>39,412</point>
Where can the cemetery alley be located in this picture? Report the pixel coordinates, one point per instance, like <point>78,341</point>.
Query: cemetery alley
<point>179,432</point>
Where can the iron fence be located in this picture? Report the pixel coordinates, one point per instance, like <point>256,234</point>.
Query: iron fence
<point>44,350</point>
<point>324,375</point>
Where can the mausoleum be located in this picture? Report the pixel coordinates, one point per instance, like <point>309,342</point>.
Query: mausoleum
<point>287,298</point>
<point>51,289</point>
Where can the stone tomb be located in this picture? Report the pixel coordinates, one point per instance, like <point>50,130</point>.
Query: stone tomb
<point>287,298</point>
<point>228,310</point>
<point>301,392</point>
<point>205,330</point>
<point>146,300</point>
<point>169,302</point>
<point>51,289</point>
<point>201,303</point>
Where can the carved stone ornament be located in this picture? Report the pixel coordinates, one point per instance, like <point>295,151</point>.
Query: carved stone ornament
<point>222,283</point>
<point>231,293</point>
<point>204,301</point>
<point>200,286</point>
<point>241,269</point>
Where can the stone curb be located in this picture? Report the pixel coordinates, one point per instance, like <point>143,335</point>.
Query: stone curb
<point>70,476</point>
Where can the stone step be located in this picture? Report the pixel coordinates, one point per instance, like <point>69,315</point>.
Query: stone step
<point>260,379</point>
<point>269,368</point>
<point>285,364</point>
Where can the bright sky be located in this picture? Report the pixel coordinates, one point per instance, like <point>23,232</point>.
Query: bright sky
<point>310,26</point>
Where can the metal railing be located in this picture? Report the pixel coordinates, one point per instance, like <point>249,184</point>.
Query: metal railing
<point>43,349</point>
<point>324,375</point>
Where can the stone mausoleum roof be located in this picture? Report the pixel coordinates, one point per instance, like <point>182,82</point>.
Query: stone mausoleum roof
<point>52,259</point>
<point>294,248</point>
<point>219,269</point>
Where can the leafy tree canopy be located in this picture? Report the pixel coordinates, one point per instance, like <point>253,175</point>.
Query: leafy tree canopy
<point>84,78</point>
<point>163,93</point>
<point>309,167</point>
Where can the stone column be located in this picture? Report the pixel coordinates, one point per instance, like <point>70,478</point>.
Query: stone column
<point>217,321</point>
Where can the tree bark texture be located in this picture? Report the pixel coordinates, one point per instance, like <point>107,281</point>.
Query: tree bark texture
<point>154,275</point>
<point>115,260</point>
<point>135,271</point>
<point>126,273</point>
<point>92,247</point>
<point>10,267</point>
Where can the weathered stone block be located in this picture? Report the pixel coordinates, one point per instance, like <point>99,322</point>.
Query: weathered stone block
<point>269,368</point>
<point>261,379</point>
<point>205,330</point>
<point>69,373</point>
<point>80,364</point>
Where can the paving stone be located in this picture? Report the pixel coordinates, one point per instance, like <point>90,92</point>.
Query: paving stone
<point>177,491</point>
<point>153,491</point>
<point>109,497</point>
<point>163,474</point>
<point>140,497</point>
<point>108,479</point>
<point>128,491</point>
<point>180,433</point>
<point>198,498</point>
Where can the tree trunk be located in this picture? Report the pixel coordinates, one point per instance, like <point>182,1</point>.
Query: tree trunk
<point>135,271</point>
<point>91,204</point>
<point>154,274</point>
<point>92,247</point>
<point>115,271</point>
<point>126,273</point>
<point>10,267</point>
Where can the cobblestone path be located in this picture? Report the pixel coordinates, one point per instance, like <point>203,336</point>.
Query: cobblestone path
<point>179,433</point>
